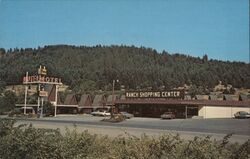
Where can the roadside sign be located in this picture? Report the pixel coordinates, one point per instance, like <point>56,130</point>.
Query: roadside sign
<point>43,93</point>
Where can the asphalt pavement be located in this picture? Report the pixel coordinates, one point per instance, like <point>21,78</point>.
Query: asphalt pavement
<point>186,128</point>
<point>217,126</point>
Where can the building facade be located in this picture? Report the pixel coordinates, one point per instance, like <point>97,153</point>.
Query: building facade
<point>155,103</point>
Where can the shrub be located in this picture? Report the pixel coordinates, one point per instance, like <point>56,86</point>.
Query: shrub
<point>14,112</point>
<point>25,141</point>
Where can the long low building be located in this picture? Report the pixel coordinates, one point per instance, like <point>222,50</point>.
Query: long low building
<point>155,103</point>
<point>183,108</point>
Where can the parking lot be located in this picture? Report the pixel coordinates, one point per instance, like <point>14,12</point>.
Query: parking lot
<point>186,128</point>
<point>218,126</point>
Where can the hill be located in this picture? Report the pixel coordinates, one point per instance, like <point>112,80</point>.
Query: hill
<point>92,68</point>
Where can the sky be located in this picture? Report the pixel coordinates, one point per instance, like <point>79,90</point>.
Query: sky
<point>218,28</point>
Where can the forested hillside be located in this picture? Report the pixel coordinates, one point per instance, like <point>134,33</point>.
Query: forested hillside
<point>93,68</point>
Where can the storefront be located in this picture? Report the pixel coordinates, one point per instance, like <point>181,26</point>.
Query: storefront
<point>156,110</point>
<point>153,104</point>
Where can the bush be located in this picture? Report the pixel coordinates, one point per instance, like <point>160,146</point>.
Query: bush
<point>7,101</point>
<point>15,112</point>
<point>25,141</point>
<point>48,109</point>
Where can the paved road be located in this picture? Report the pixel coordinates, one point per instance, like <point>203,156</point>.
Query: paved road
<point>217,126</point>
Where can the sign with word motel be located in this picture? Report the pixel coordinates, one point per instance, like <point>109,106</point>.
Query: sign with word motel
<point>41,79</point>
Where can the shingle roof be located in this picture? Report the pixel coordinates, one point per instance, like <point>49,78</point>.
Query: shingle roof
<point>98,100</point>
<point>212,97</point>
<point>201,97</point>
<point>51,89</point>
<point>110,98</point>
<point>85,100</point>
<point>70,100</point>
<point>227,97</point>
<point>187,97</point>
<point>123,97</point>
<point>243,97</point>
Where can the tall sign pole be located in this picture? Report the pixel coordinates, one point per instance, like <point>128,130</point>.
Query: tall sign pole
<point>56,100</point>
<point>41,72</point>
<point>38,100</point>
<point>25,95</point>
<point>42,107</point>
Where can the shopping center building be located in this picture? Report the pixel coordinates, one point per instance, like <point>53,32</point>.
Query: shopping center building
<point>154,103</point>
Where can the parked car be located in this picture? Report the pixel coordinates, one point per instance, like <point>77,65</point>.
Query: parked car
<point>127,115</point>
<point>168,115</point>
<point>242,115</point>
<point>100,113</point>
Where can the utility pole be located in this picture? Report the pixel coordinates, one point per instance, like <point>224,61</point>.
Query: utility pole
<point>113,90</point>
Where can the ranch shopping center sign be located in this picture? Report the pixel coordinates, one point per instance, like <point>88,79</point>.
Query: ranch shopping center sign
<point>156,94</point>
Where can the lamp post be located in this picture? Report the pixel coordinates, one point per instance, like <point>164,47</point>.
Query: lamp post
<point>113,100</point>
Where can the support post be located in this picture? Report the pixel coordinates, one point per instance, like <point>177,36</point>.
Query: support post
<point>55,101</point>
<point>38,102</point>
<point>25,95</point>
<point>186,111</point>
<point>231,112</point>
<point>41,113</point>
<point>205,112</point>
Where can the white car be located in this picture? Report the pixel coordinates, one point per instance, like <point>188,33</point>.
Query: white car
<point>100,113</point>
<point>242,115</point>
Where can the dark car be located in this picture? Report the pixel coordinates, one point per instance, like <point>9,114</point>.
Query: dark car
<point>127,115</point>
<point>168,115</point>
<point>242,115</point>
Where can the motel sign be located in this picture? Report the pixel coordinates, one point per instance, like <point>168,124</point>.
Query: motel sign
<point>40,80</point>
